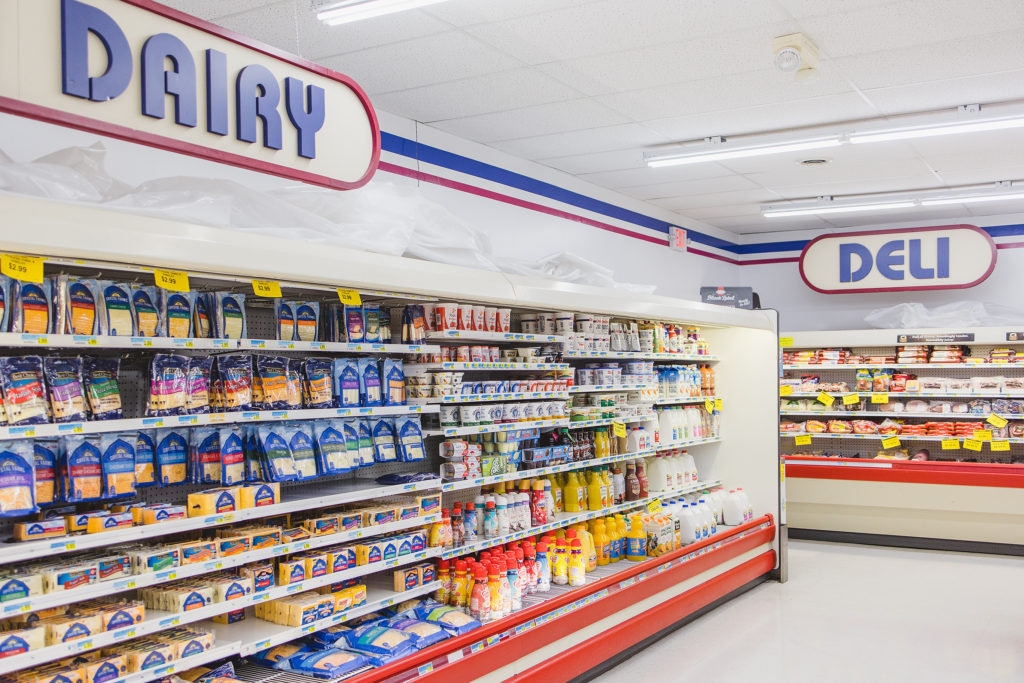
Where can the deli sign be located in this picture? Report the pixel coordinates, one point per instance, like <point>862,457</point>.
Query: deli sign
<point>942,257</point>
<point>139,71</point>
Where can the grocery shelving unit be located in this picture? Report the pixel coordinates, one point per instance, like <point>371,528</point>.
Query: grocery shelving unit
<point>957,498</point>
<point>73,237</point>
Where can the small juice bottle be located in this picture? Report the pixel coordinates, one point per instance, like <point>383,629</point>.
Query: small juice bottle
<point>480,600</point>
<point>560,564</point>
<point>601,544</point>
<point>636,540</point>
<point>577,564</point>
<point>443,594</point>
<point>460,585</point>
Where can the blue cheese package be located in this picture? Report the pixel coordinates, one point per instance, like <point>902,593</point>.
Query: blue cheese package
<point>300,442</point>
<point>82,468</point>
<point>116,317</point>
<point>145,312</point>
<point>18,484</point>
<point>369,382</point>
<point>278,464</point>
<point>346,382</point>
<point>229,315</point>
<point>32,308</point>
<point>329,663</point>
<point>118,462</point>
<point>392,382</point>
<point>331,447</point>
<point>176,310</point>
<point>409,437</point>
<point>384,440</point>
<point>78,305</point>
<point>307,320</point>
<point>172,456</point>
<point>284,319</point>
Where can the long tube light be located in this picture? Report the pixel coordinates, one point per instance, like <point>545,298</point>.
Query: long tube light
<point>826,205</point>
<point>911,133</point>
<point>971,200</point>
<point>659,160</point>
<point>769,212</point>
<point>348,11</point>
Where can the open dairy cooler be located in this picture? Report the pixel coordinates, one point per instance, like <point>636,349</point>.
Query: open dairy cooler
<point>905,437</point>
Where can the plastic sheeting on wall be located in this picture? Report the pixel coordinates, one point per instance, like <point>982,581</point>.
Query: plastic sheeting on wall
<point>958,314</point>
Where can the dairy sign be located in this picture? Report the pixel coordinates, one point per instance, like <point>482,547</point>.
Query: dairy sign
<point>942,257</point>
<point>139,71</point>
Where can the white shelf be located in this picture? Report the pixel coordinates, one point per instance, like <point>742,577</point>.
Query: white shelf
<point>104,588</point>
<point>342,491</point>
<point>904,394</point>
<point>505,396</point>
<point>924,366</point>
<point>474,335</point>
<point>500,427</point>
<point>934,417</point>
<point>414,368</point>
<point>566,519</point>
<point>335,347</point>
<point>157,620</point>
<point>605,421</point>
<point>637,355</point>
<point>683,401</point>
<point>78,341</point>
<point>129,425</point>
<point>599,388</point>
<point>879,437</point>
<point>220,651</point>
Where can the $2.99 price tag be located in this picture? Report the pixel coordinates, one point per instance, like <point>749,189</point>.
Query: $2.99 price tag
<point>24,268</point>
<point>267,288</point>
<point>654,506</point>
<point>172,280</point>
<point>851,399</point>
<point>349,297</point>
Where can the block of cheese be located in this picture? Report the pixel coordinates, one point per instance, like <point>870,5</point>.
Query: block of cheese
<point>110,522</point>
<point>407,578</point>
<point>66,628</point>
<point>80,522</point>
<point>197,551</point>
<point>261,573</point>
<point>30,531</point>
<point>265,537</point>
<point>427,572</point>
<point>418,540</point>
<point>22,640</point>
<point>230,587</point>
<point>154,514</point>
<point>67,576</point>
<point>230,617</point>
<point>321,526</point>
<point>356,595</point>
<point>115,614</point>
<point>155,559</point>
<point>147,654</point>
<point>290,571</point>
<point>316,564</point>
<point>113,566</point>
<point>340,559</point>
<point>20,585</point>
<point>429,503</point>
<point>258,495</point>
<point>214,502</point>
<point>235,545</point>
<point>56,673</point>
<point>369,553</point>
<point>107,668</point>
<point>295,534</point>
<point>408,511</point>
<point>404,543</point>
<point>348,521</point>
<point>388,548</point>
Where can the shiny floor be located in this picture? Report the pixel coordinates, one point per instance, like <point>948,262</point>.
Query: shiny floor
<point>855,613</point>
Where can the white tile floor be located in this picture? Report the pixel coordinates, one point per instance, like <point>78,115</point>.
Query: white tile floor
<point>855,613</point>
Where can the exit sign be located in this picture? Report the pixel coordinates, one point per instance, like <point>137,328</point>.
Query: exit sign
<point>677,238</point>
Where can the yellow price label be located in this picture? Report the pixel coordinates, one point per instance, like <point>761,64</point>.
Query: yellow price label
<point>654,506</point>
<point>785,341</point>
<point>891,442</point>
<point>999,445</point>
<point>826,399</point>
<point>173,280</point>
<point>718,404</point>
<point>983,434</point>
<point>851,399</point>
<point>349,297</point>
<point>619,429</point>
<point>804,440</point>
<point>785,390</point>
<point>267,288</point>
<point>709,405</point>
<point>950,444</point>
<point>879,398</point>
<point>996,421</point>
<point>24,268</point>
<point>972,444</point>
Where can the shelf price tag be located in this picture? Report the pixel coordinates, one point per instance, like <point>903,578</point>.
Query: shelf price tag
<point>851,399</point>
<point>826,399</point>
<point>654,506</point>
<point>880,398</point>
<point>619,429</point>
<point>972,444</point>
<point>24,268</point>
<point>718,404</point>
<point>349,297</point>
<point>785,341</point>
<point>891,442</point>
<point>803,440</point>
<point>983,434</point>
<point>785,390</point>
<point>709,405</point>
<point>996,421</point>
<point>950,444</point>
<point>267,288</point>
<point>172,280</point>
<point>999,445</point>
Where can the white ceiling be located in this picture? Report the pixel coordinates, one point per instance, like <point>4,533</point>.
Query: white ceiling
<point>585,86</point>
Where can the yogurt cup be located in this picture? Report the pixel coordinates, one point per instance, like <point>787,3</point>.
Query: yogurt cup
<point>528,323</point>
<point>449,415</point>
<point>462,354</point>
<point>545,323</point>
<point>446,316</point>
<point>490,319</point>
<point>479,318</point>
<point>465,320</point>
<point>564,321</point>
<point>504,320</point>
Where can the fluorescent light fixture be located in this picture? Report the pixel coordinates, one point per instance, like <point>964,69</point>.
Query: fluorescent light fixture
<point>346,12</point>
<point>708,152</point>
<point>770,212</point>
<point>932,131</point>
<point>971,200</point>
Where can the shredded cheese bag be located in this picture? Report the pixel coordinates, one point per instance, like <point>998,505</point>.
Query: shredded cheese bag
<point>235,374</point>
<point>116,309</point>
<point>145,459</point>
<point>273,379</point>
<point>232,456</point>
<point>277,456</point>
<point>100,378</point>
<point>202,321</point>
<point>45,458</point>
<point>168,385</point>
<point>319,389</point>
<point>79,299</point>
<point>118,453</point>
<point>307,320</point>
<point>198,384</point>
<point>17,479</point>
<point>293,376</point>
<point>64,382</point>
<point>346,382</point>
<point>410,438</point>
<point>230,315</point>
<point>83,468</point>
<point>172,455</point>
<point>369,382</point>
<point>330,446</point>
<point>384,440</point>
<point>24,390</point>
<point>393,382</point>
<point>300,442</point>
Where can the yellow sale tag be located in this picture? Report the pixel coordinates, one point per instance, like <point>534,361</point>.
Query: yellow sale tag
<point>1000,445</point>
<point>173,280</point>
<point>851,399</point>
<point>349,297</point>
<point>709,405</point>
<point>785,390</point>
<point>891,442</point>
<point>24,268</point>
<point>619,429</point>
<point>718,404</point>
<point>983,434</point>
<point>826,399</point>
<point>950,444</point>
<point>879,398</point>
<point>654,506</point>
<point>972,444</point>
<point>785,341</point>
<point>804,440</point>
<point>996,421</point>
<point>267,288</point>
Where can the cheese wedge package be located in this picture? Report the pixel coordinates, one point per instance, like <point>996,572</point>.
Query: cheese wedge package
<point>384,440</point>
<point>409,434</point>
<point>5,303</point>
<point>115,306</point>
<point>83,468</point>
<point>369,382</point>
<point>229,315</point>
<point>145,458</point>
<point>307,320</point>
<point>300,442</point>
<point>17,478</point>
<point>354,329</point>
<point>168,385</point>
<point>172,456</point>
<point>393,382</point>
<point>371,323</point>
<point>118,460</point>
<point>176,309</point>
<point>197,401</point>
<point>25,400</point>
<point>79,301</point>
<point>329,443</point>
<point>45,452</point>
<point>64,384</point>
<point>234,372</point>
<point>205,453</point>
<point>145,313</point>
<point>232,456</point>
<point>284,319</point>
<point>272,377</point>
<point>346,382</point>
<point>32,305</point>
<point>278,464</point>
<point>100,378</point>
<point>317,384</point>
<point>202,318</point>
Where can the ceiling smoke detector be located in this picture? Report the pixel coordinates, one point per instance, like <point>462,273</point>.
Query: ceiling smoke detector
<point>814,162</point>
<point>796,54</point>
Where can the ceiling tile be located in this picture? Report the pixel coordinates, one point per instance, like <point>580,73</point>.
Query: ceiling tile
<point>645,175</point>
<point>717,203</point>
<point>689,187</point>
<point>800,175</point>
<point>538,120</point>
<point>211,10</point>
<point>469,12</point>
<point>744,225</point>
<point>599,162</point>
<point>848,159</point>
<point>871,218</point>
<point>997,87</point>
<point>272,24</point>
<point>843,188</point>
<point>317,40</point>
<point>628,138</point>
<point>802,9</point>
